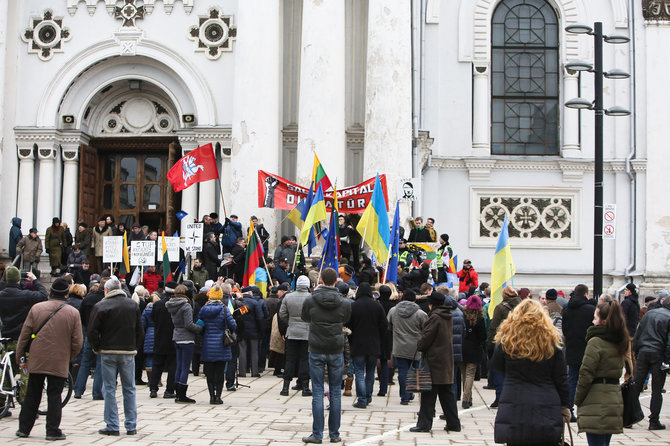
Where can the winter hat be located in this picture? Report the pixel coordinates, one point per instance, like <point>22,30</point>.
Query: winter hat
<point>60,287</point>
<point>445,237</point>
<point>462,302</point>
<point>208,284</point>
<point>215,293</point>
<point>364,289</point>
<point>524,293</point>
<point>632,288</point>
<point>213,215</point>
<point>663,294</point>
<point>55,220</point>
<point>649,299</point>
<point>385,292</point>
<point>33,230</point>
<point>82,224</point>
<point>436,299</point>
<point>551,294</point>
<point>508,291</point>
<point>12,275</point>
<point>473,303</point>
<point>284,239</point>
<point>351,284</point>
<point>303,281</point>
<point>136,225</point>
<point>284,287</point>
<point>343,288</point>
<point>170,286</point>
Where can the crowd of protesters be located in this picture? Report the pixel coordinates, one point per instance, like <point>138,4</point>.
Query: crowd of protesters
<point>551,359</point>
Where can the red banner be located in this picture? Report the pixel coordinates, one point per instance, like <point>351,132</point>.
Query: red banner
<point>278,193</point>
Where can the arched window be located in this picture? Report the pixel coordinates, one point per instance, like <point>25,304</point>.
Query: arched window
<point>524,59</point>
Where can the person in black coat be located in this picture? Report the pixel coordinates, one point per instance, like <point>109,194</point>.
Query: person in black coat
<point>89,360</point>
<point>210,255</point>
<point>253,322</point>
<point>368,328</point>
<point>474,341</point>
<point>239,254</point>
<point>577,317</point>
<point>535,396</point>
<point>631,308</point>
<point>385,366</point>
<point>164,350</point>
<point>16,302</point>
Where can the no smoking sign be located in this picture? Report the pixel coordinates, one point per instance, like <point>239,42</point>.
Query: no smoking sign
<point>609,221</point>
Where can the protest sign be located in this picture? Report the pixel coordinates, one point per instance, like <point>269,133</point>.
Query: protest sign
<point>193,237</point>
<point>142,252</point>
<point>112,249</point>
<point>172,245</point>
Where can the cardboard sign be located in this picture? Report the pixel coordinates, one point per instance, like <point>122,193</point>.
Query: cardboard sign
<point>112,249</point>
<point>193,237</point>
<point>172,245</point>
<point>278,193</point>
<point>142,252</point>
<point>409,189</point>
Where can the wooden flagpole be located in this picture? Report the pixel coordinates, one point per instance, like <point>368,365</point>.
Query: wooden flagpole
<point>388,258</point>
<point>258,237</point>
<point>223,202</point>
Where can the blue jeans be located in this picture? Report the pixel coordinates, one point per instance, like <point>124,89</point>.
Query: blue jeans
<point>88,359</point>
<point>364,371</point>
<point>403,365</point>
<point>317,369</point>
<point>124,367</point>
<point>573,377</point>
<point>184,357</point>
<point>598,439</point>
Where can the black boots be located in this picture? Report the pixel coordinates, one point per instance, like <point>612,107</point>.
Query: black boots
<point>284,389</point>
<point>181,394</point>
<point>305,388</point>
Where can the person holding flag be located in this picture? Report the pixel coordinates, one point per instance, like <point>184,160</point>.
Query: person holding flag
<point>331,252</point>
<point>374,224</point>
<point>391,273</point>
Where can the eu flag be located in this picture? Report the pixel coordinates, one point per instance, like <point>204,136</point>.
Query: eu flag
<point>330,256</point>
<point>392,267</point>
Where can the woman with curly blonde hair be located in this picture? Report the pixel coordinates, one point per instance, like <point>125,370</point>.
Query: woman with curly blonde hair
<point>534,400</point>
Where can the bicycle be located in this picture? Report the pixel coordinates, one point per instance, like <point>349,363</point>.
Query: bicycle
<point>13,387</point>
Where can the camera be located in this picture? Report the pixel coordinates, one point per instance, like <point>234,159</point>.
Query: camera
<point>24,275</point>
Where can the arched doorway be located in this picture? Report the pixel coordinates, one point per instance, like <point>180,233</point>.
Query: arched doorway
<point>122,170</point>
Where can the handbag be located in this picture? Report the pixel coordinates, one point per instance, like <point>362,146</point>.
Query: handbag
<point>418,378</point>
<point>33,335</point>
<point>229,338</point>
<point>632,411</point>
<point>563,442</point>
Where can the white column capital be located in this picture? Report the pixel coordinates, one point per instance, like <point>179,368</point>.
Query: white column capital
<point>47,153</point>
<point>26,152</point>
<point>481,69</point>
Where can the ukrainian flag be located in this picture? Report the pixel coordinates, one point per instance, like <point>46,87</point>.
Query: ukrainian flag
<point>392,267</point>
<point>374,224</point>
<point>316,213</point>
<point>503,267</point>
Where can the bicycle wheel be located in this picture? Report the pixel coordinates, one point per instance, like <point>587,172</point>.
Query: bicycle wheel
<point>8,403</point>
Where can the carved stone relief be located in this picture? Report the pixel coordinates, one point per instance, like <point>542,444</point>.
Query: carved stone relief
<point>214,33</point>
<point>46,35</point>
<point>656,10</point>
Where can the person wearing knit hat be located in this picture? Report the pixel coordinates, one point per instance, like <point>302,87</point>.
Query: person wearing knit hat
<point>303,281</point>
<point>473,338</point>
<point>631,308</point>
<point>473,303</point>
<point>215,293</point>
<point>502,310</point>
<point>12,275</point>
<point>54,240</point>
<point>60,287</point>
<point>524,293</point>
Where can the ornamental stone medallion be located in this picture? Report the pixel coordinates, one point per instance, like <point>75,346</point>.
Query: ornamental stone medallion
<point>136,116</point>
<point>129,12</point>
<point>46,35</point>
<point>536,218</point>
<point>214,34</point>
<point>656,10</point>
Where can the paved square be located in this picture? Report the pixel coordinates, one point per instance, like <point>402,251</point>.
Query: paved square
<point>260,416</point>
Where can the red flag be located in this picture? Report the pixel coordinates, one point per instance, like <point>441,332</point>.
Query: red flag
<point>196,166</point>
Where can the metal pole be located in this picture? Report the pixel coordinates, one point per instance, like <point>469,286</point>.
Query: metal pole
<point>598,167</point>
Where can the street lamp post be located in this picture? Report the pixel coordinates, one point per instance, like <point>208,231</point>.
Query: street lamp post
<point>597,107</point>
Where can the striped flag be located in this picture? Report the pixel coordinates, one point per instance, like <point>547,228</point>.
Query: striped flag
<point>167,273</point>
<point>319,176</point>
<point>253,257</point>
<point>503,267</point>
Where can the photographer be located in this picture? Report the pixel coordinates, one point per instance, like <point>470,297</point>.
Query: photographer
<point>467,277</point>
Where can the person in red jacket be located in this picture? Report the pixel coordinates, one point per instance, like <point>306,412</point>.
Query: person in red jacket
<point>467,277</point>
<point>150,279</point>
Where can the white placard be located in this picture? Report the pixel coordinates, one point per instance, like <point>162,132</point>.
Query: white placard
<point>609,221</point>
<point>193,237</point>
<point>142,252</point>
<point>112,249</point>
<point>409,189</point>
<point>172,245</point>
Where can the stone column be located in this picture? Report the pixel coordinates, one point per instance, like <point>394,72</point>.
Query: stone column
<point>321,114</point>
<point>70,201</point>
<point>256,130</point>
<point>570,147</point>
<point>388,94</point>
<point>45,186</point>
<point>481,112</point>
<point>26,194</point>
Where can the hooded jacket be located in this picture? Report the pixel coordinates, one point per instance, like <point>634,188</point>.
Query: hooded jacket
<point>458,327</point>
<point>326,311</point>
<point>406,320</point>
<point>181,312</point>
<point>290,312</point>
<point>15,236</point>
<point>577,318</point>
<point>437,345</point>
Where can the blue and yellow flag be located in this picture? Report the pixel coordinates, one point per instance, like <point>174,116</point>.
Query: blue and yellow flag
<point>296,215</point>
<point>331,252</point>
<point>316,213</point>
<point>392,267</point>
<point>503,267</point>
<point>374,224</point>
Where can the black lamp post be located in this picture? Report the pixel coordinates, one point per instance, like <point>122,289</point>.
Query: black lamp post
<point>597,106</point>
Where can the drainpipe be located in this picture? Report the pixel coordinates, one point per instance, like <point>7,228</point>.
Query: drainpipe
<point>633,147</point>
<point>416,86</point>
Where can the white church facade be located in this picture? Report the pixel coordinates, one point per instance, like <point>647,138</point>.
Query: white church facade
<point>99,98</point>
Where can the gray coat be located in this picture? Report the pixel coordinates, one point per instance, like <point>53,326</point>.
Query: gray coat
<point>182,318</point>
<point>290,312</point>
<point>406,320</point>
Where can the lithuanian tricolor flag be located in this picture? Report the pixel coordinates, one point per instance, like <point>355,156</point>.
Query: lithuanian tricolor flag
<point>319,175</point>
<point>125,265</point>
<point>253,257</point>
<point>167,273</point>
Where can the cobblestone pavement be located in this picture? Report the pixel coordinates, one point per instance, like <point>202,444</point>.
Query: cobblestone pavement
<point>260,416</point>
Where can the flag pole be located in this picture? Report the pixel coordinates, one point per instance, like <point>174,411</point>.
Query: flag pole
<point>388,258</point>
<point>223,202</point>
<point>267,270</point>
